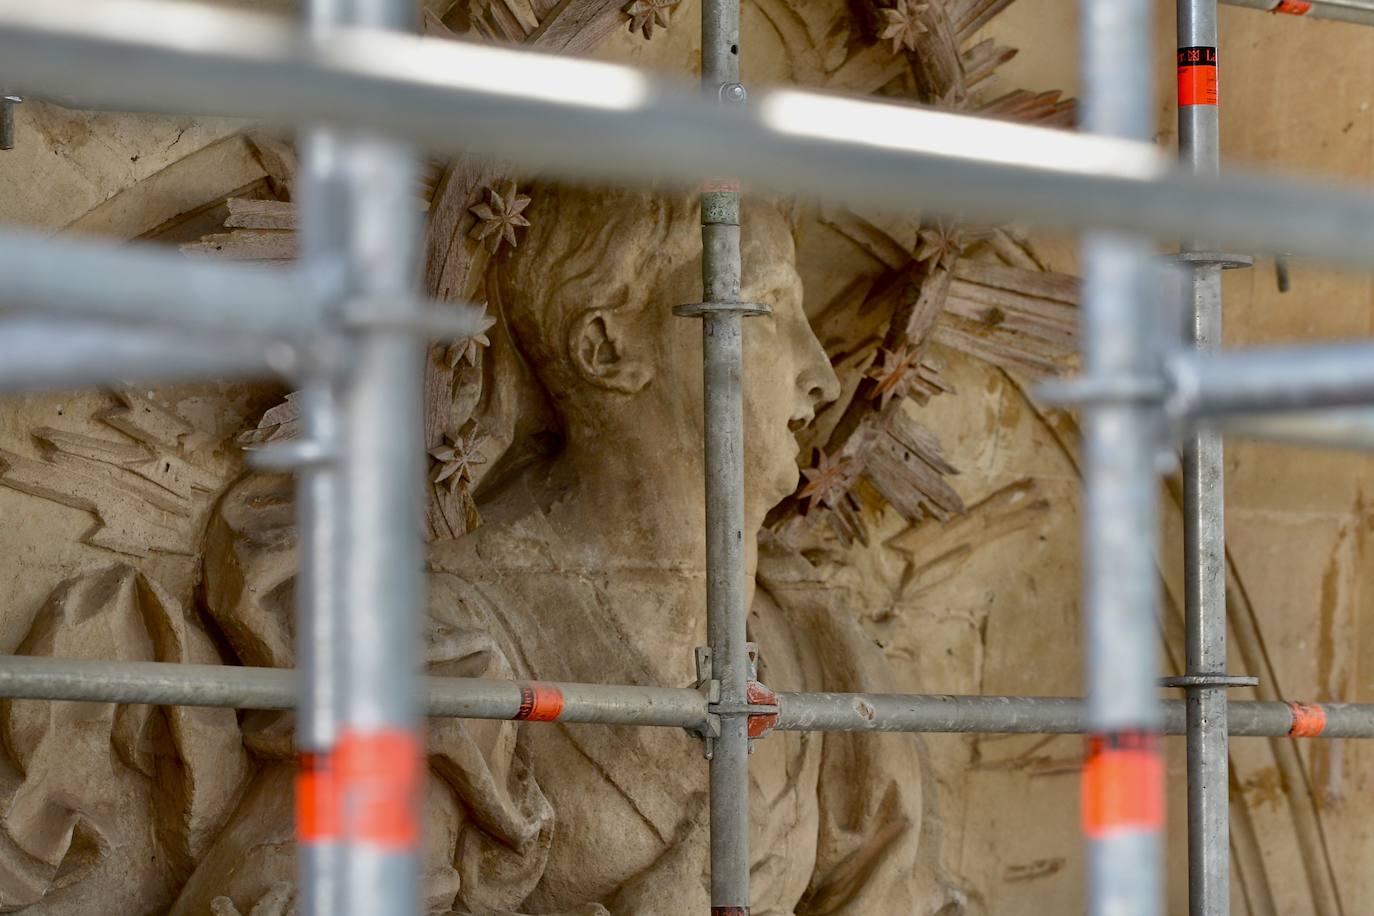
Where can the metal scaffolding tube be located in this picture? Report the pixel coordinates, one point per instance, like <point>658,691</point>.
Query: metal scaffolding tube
<point>38,354</point>
<point>1204,532</point>
<point>1123,774</point>
<point>318,602</point>
<point>1357,11</point>
<point>140,284</point>
<point>1260,380</point>
<point>360,212</point>
<point>1350,428</point>
<point>24,677</point>
<point>587,119</point>
<point>726,596</point>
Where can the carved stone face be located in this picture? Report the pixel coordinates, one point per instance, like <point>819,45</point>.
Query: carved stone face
<point>591,300</point>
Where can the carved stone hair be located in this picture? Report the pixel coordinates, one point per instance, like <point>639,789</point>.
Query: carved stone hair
<point>585,249</point>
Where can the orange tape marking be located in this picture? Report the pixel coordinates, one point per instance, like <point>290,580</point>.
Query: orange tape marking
<point>1123,784</point>
<point>378,785</point>
<point>1197,76</point>
<point>539,702</point>
<point>1309,720</point>
<point>317,801</point>
<point>1292,7</point>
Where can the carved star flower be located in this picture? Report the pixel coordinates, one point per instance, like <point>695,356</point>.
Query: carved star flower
<point>939,244</point>
<point>499,216</point>
<point>466,350</point>
<point>826,483</point>
<point>894,374</point>
<point>901,25</point>
<point>455,460</point>
<point>645,14</point>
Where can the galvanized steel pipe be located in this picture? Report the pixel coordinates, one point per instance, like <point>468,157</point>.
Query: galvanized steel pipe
<point>40,354</point>
<point>1123,774</point>
<point>25,677</point>
<point>587,119</point>
<point>360,211</point>
<point>723,386</point>
<point>1204,530</point>
<point>1260,380</point>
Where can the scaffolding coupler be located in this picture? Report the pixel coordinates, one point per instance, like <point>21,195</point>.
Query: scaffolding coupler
<point>762,709</point>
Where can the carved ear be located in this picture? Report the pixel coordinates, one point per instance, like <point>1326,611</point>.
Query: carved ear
<point>598,348</point>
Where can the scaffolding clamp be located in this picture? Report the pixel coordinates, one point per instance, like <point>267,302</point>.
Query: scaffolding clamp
<point>701,309</point>
<point>709,688</point>
<point>1208,681</point>
<point>761,705</point>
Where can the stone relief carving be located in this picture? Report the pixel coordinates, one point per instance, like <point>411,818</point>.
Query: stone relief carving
<point>579,408</point>
<point>569,579</point>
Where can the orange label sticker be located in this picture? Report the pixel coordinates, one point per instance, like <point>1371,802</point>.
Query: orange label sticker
<point>1292,7</point>
<point>317,800</point>
<point>1309,720</point>
<point>378,784</point>
<point>1197,76</point>
<point>1123,784</point>
<point>539,702</point>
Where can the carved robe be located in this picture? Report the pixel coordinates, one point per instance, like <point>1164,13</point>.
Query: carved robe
<point>571,819</point>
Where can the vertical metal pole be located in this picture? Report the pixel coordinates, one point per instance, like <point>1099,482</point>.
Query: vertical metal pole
<point>360,215</point>
<point>1123,806</point>
<point>7,103</point>
<point>1204,535</point>
<point>317,610</point>
<point>722,363</point>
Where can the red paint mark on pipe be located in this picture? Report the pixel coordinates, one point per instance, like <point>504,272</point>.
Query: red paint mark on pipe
<point>1309,720</point>
<point>378,783</point>
<point>317,800</point>
<point>1292,7</point>
<point>729,911</point>
<point>539,703</point>
<point>1123,784</point>
<point>1197,76</point>
<point>761,724</point>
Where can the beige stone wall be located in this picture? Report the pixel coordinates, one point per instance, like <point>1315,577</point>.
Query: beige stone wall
<point>983,610</point>
<point>1296,96</point>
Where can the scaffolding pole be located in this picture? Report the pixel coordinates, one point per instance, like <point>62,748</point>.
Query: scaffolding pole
<point>362,754</point>
<point>1123,778</point>
<point>723,367</point>
<point>25,677</point>
<point>1204,532</point>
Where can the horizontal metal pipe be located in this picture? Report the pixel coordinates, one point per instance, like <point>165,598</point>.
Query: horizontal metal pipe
<point>160,683</point>
<point>1045,715</point>
<point>140,283</point>
<point>41,354</point>
<point>1270,379</point>
<point>586,119</point>
<point>1349,428</point>
<point>1360,12</point>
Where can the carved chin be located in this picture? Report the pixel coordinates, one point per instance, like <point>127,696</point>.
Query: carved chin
<point>778,475</point>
